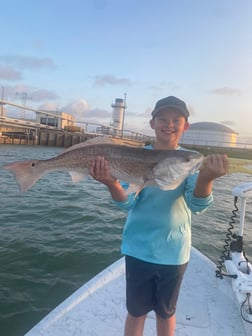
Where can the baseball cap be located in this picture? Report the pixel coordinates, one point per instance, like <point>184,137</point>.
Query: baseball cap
<point>170,102</point>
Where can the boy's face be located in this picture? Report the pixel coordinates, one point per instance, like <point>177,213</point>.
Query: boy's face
<point>169,125</point>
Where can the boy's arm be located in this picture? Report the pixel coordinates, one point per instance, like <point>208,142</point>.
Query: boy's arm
<point>99,170</point>
<point>214,166</point>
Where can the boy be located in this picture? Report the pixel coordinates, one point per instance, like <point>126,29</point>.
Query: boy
<point>157,235</point>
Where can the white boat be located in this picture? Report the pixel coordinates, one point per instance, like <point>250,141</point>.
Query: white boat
<point>208,305</point>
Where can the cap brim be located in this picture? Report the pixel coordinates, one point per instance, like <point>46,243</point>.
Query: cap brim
<point>181,110</point>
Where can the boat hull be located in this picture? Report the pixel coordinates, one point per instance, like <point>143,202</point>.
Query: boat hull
<point>206,306</point>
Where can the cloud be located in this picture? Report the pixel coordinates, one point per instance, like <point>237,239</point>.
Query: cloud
<point>9,73</point>
<point>10,92</point>
<point>110,80</point>
<point>20,88</point>
<point>226,91</point>
<point>29,62</point>
<point>43,94</point>
<point>82,111</point>
<point>33,95</point>
<point>77,108</point>
<point>98,113</point>
<point>49,107</point>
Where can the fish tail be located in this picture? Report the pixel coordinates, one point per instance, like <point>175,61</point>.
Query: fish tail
<point>26,173</point>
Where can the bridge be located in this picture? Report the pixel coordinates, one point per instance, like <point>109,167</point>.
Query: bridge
<point>5,102</point>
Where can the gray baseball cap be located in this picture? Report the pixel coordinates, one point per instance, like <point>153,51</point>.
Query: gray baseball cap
<point>170,102</point>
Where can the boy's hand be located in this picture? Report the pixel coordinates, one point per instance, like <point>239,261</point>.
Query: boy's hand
<point>214,165</point>
<point>99,170</point>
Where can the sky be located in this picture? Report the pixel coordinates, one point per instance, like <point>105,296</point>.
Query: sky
<point>77,56</point>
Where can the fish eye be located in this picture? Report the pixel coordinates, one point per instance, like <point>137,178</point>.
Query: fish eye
<point>33,164</point>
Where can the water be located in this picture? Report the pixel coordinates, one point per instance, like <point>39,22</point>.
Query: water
<point>58,235</point>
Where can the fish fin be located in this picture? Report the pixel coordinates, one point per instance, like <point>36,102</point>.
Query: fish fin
<point>133,188</point>
<point>100,140</point>
<point>136,188</point>
<point>79,175</point>
<point>26,173</point>
<point>95,141</point>
<point>140,189</point>
<point>105,140</point>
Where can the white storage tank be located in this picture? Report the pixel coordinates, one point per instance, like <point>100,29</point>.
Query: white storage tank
<point>210,134</point>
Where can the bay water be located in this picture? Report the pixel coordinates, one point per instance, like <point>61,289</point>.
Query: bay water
<point>58,235</point>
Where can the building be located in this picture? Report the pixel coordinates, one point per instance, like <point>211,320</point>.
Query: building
<point>210,134</point>
<point>57,119</point>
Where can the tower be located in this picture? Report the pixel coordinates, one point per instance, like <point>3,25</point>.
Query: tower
<point>24,97</point>
<point>119,108</point>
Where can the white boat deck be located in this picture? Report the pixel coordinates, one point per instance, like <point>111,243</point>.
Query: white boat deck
<point>207,306</point>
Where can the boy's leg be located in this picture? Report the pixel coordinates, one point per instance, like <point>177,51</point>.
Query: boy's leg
<point>134,326</point>
<point>166,327</point>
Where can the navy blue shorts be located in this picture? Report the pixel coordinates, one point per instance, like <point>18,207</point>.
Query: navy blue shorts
<point>152,287</point>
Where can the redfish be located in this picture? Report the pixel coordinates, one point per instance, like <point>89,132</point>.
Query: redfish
<point>139,167</point>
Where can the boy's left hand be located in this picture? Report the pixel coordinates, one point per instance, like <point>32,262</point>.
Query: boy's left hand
<point>214,165</point>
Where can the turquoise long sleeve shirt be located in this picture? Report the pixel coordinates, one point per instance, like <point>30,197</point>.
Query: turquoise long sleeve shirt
<point>158,225</point>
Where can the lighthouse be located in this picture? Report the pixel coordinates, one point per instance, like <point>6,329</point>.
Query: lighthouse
<point>119,108</point>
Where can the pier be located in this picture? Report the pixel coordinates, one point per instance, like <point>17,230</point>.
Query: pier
<point>56,138</point>
<point>55,128</point>
<point>24,132</point>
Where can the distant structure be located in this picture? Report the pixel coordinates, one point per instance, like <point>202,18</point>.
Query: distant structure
<point>57,119</point>
<point>210,134</point>
<point>24,97</point>
<point>119,108</point>
<point>2,111</point>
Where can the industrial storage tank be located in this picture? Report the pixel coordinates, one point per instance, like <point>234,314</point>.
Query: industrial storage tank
<point>210,134</point>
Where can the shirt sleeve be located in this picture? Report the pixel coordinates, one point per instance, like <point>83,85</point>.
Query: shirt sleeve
<point>129,202</point>
<point>196,204</point>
